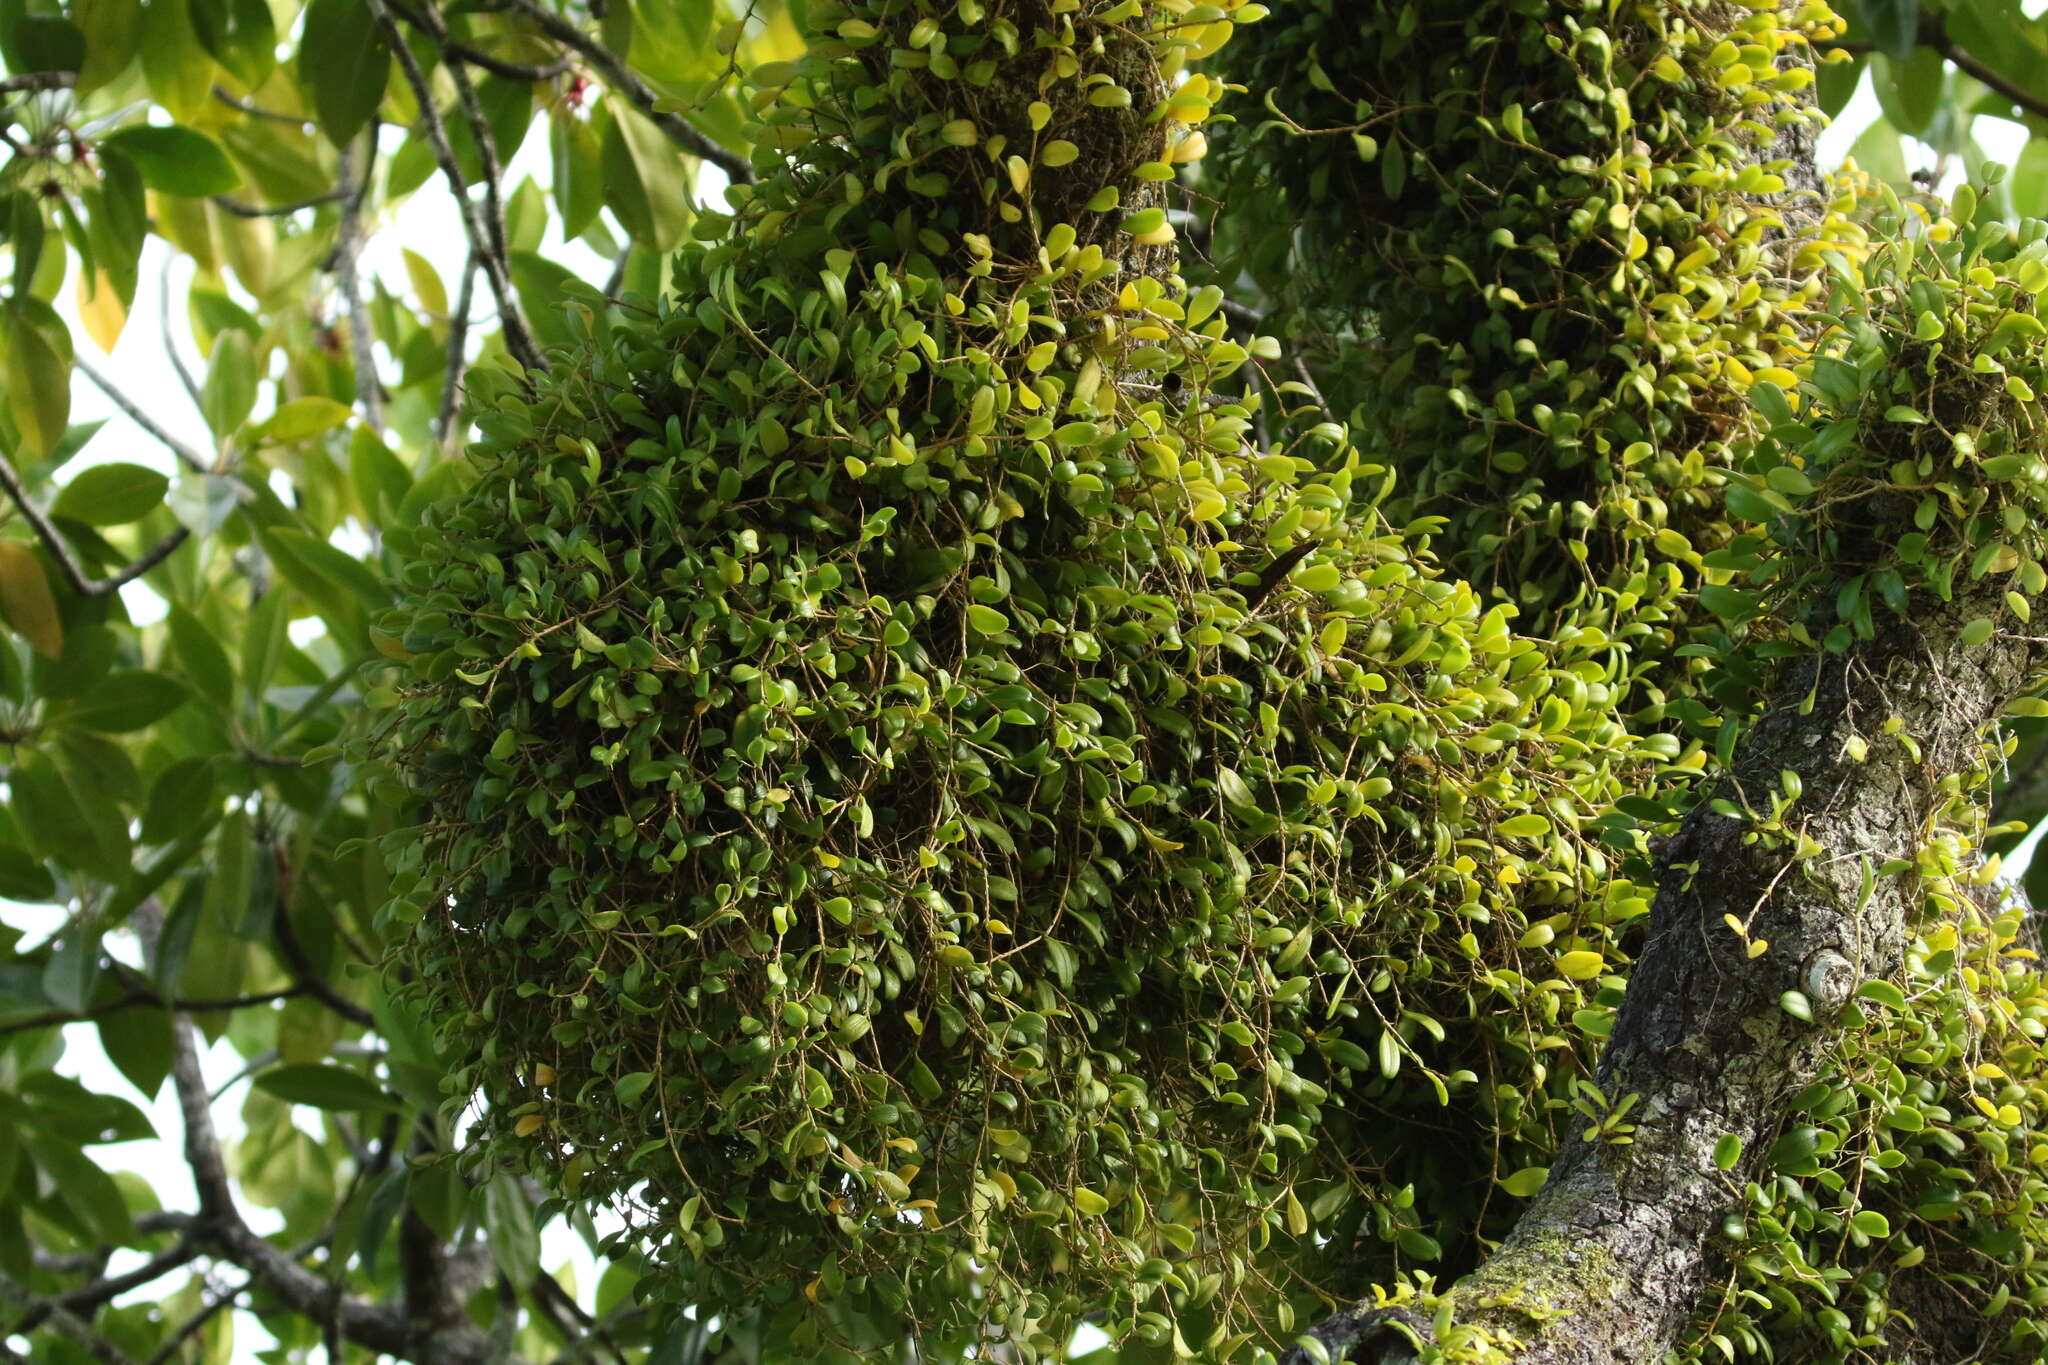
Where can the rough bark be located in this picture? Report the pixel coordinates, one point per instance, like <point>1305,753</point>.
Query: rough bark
<point>1609,1260</point>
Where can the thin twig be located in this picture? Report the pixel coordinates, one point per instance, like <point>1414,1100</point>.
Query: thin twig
<point>234,101</point>
<point>191,1326</point>
<point>301,967</point>
<point>458,352</point>
<point>187,456</point>
<point>348,243</point>
<point>1935,35</point>
<point>149,1000</point>
<point>476,57</point>
<point>242,210</point>
<point>67,1322</point>
<point>379,1327</point>
<point>518,341</point>
<point>163,321</point>
<point>480,134</point>
<point>29,81</point>
<point>73,572</point>
<point>616,75</point>
<point>88,1297</point>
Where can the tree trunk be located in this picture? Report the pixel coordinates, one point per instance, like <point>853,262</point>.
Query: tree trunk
<point>1608,1262</point>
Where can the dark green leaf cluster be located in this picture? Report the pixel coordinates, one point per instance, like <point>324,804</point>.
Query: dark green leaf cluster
<point>1542,249</point>
<point>922,814</point>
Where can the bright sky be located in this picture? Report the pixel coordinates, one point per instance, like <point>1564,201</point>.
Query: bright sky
<point>428,224</point>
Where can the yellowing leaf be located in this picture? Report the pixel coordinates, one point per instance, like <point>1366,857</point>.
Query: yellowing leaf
<point>38,384</point>
<point>1580,965</point>
<point>426,283</point>
<point>26,600</point>
<point>100,309</point>
<point>1206,502</point>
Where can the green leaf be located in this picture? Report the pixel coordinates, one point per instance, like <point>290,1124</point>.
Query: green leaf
<point>138,1042</point>
<point>303,418</point>
<point>38,378</point>
<point>1871,1224</point>
<point>111,494</point>
<point>1910,90</point>
<point>575,154</point>
<point>1976,632</point>
<point>177,160</point>
<point>113,33</point>
<point>240,35</point>
<point>1789,480</point>
<point>1524,1183</point>
<point>74,967</point>
<point>127,700</point>
<point>79,1183</point>
<point>1727,1151</point>
<point>1894,26</point>
<point>94,840</point>
<point>1528,825</point>
<point>646,182</point>
<point>179,70</point>
<point>41,42</point>
<point>343,59</point>
<point>1884,993</point>
<point>337,582</point>
<point>322,1086</point>
<point>200,657</point>
<point>1419,1244</point>
<point>179,800</point>
<point>23,877</point>
<point>229,393</point>
<point>540,283</point>
<point>508,1226</point>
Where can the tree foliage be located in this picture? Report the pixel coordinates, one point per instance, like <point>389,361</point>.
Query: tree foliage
<point>1011,724</point>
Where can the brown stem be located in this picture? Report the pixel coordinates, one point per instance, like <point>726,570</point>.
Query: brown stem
<point>621,79</point>
<point>483,239</point>
<point>348,245</point>
<point>74,573</point>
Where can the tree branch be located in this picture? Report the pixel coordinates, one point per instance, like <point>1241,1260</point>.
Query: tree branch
<point>74,573</point>
<point>485,238</point>
<point>301,967</point>
<point>187,456</point>
<point>621,79</point>
<point>349,242</point>
<point>88,1297</point>
<point>379,1327</point>
<point>476,57</point>
<point>30,81</point>
<point>67,1322</point>
<point>242,210</point>
<point>163,319</point>
<point>458,357</point>
<point>1606,1262</point>
<point>191,1326</point>
<point>1934,34</point>
<point>149,999</point>
<point>254,110</point>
